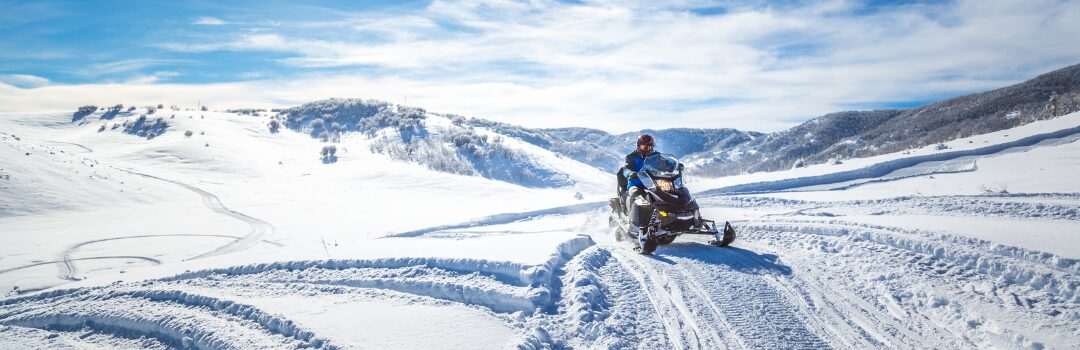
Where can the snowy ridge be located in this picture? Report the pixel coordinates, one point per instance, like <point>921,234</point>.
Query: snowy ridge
<point>603,307</point>
<point>884,168</point>
<point>1014,265</point>
<point>174,317</point>
<point>169,311</point>
<point>512,286</point>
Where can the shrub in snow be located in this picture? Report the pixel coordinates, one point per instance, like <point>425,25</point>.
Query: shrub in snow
<point>328,150</point>
<point>204,108</point>
<point>941,146</point>
<point>102,128</point>
<point>83,111</point>
<point>329,154</point>
<point>579,196</point>
<point>151,110</point>
<point>144,128</point>
<point>246,111</point>
<point>160,106</point>
<point>275,126</point>
<point>188,133</point>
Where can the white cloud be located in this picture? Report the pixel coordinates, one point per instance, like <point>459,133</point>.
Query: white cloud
<point>23,80</point>
<point>623,66</point>
<point>151,78</point>
<point>208,21</point>
<point>130,65</point>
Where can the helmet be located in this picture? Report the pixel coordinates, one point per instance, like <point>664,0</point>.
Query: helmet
<point>645,139</point>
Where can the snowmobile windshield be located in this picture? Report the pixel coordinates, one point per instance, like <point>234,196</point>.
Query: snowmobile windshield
<point>662,165</point>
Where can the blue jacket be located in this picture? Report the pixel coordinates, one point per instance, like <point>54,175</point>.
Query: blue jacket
<point>634,162</point>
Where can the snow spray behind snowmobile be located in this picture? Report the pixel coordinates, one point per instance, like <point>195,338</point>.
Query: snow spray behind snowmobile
<point>666,211</point>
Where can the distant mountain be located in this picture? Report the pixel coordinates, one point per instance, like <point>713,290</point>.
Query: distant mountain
<point>845,135</point>
<point>472,146</point>
<point>679,141</point>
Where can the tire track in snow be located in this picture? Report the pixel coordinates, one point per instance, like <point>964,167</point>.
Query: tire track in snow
<point>917,289</point>
<point>259,228</point>
<point>132,257</point>
<point>69,271</point>
<point>729,291</point>
<point>666,311</point>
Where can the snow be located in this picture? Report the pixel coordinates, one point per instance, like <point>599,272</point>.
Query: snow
<point>1053,236</point>
<point>388,325</point>
<point>1063,129</point>
<point>255,242</point>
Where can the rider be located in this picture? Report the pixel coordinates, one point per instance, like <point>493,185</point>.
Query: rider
<point>633,193</point>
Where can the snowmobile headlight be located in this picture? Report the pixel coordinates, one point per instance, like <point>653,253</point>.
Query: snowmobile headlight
<point>665,185</point>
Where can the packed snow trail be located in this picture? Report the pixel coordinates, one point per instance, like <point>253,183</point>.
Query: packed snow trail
<point>725,292</point>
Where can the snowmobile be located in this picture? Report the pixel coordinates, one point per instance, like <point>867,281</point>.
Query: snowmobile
<point>670,210</point>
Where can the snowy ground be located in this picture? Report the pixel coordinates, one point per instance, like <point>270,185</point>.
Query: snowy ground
<point>168,243</point>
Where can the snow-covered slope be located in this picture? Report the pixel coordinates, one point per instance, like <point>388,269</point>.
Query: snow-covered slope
<point>83,191</point>
<point>444,143</point>
<point>255,241</point>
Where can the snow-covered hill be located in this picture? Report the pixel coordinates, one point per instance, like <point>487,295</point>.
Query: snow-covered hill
<point>446,143</point>
<point>238,237</point>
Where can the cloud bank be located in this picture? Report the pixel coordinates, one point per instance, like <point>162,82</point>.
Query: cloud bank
<point>617,66</point>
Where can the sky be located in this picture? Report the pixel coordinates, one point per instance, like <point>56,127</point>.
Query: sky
<point>616,66</point>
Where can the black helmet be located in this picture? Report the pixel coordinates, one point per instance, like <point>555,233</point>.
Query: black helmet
<point>645,139</point>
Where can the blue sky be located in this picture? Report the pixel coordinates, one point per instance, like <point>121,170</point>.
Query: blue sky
<point>611,65</point>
